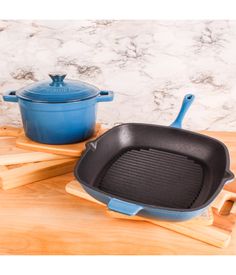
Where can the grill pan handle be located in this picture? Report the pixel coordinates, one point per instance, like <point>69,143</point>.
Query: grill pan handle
<point>187,102</point>
<point>124,207</point>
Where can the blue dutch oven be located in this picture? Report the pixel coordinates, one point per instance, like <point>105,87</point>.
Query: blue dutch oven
<point>58,111</point>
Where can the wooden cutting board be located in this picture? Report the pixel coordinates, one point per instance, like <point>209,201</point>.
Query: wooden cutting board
<point>35,161</point>
<point>223,208</point>
<point>10,154</point>
<point>15,176</point>
<point>19,166</point>
<point>73,150</point>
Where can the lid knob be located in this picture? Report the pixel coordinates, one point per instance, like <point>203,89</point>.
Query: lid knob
<point>57,79</point>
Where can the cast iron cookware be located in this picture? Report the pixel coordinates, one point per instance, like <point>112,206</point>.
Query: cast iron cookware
<point>155,171</point>
<point>58,110</point>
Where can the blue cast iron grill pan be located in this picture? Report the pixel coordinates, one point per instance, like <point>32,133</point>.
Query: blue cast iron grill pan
<point>155,171</point>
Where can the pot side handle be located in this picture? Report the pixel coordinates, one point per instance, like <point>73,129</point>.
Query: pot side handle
<point>10,96</point>
<point>105,96</point>
<point>123,207</point>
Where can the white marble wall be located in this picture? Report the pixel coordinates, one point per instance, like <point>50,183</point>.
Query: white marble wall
<point>150,65</point>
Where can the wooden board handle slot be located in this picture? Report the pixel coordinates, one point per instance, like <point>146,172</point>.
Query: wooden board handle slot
<point>220,202</point>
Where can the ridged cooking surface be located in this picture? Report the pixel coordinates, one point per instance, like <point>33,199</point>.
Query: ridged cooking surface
<point>154,177</point>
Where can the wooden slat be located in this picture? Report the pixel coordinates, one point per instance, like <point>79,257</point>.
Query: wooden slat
<point>34,172</point>
<point>205,233</point>
<point>28,157</point>
<point>11,155</point>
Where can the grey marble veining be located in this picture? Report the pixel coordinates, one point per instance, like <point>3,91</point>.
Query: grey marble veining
<point>150,65</point>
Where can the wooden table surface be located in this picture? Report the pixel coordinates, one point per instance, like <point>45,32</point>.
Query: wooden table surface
<point>41,218</point>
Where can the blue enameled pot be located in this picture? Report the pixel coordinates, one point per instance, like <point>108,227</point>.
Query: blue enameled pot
<point>58,111</point>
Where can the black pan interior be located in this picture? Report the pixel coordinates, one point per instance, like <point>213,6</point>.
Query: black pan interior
<point>155,165</point>
<point>153,177</point>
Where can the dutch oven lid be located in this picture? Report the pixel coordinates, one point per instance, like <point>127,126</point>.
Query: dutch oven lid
<point>58,90</point>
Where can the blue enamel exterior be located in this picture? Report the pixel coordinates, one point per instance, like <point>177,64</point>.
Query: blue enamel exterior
<point>187,101</point>
<point>127,208</point>
<point>139,209</point>
<point>145,210</point>
<point>58,90</point>
<point>10,96</point>
<point>59,123</point>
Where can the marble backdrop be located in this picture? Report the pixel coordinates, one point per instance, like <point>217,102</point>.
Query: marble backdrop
<point>149,65</point>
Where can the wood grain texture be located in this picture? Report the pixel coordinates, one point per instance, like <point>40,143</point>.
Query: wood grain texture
<point>28,157</point>
<point>32,172</point>
<point>10,154</point>
<point>3,168</point>
<point>73,150</point>
<point>41,218</point>
<point>19,166</point>
<point>10,131</point>
<point>200,228</point>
